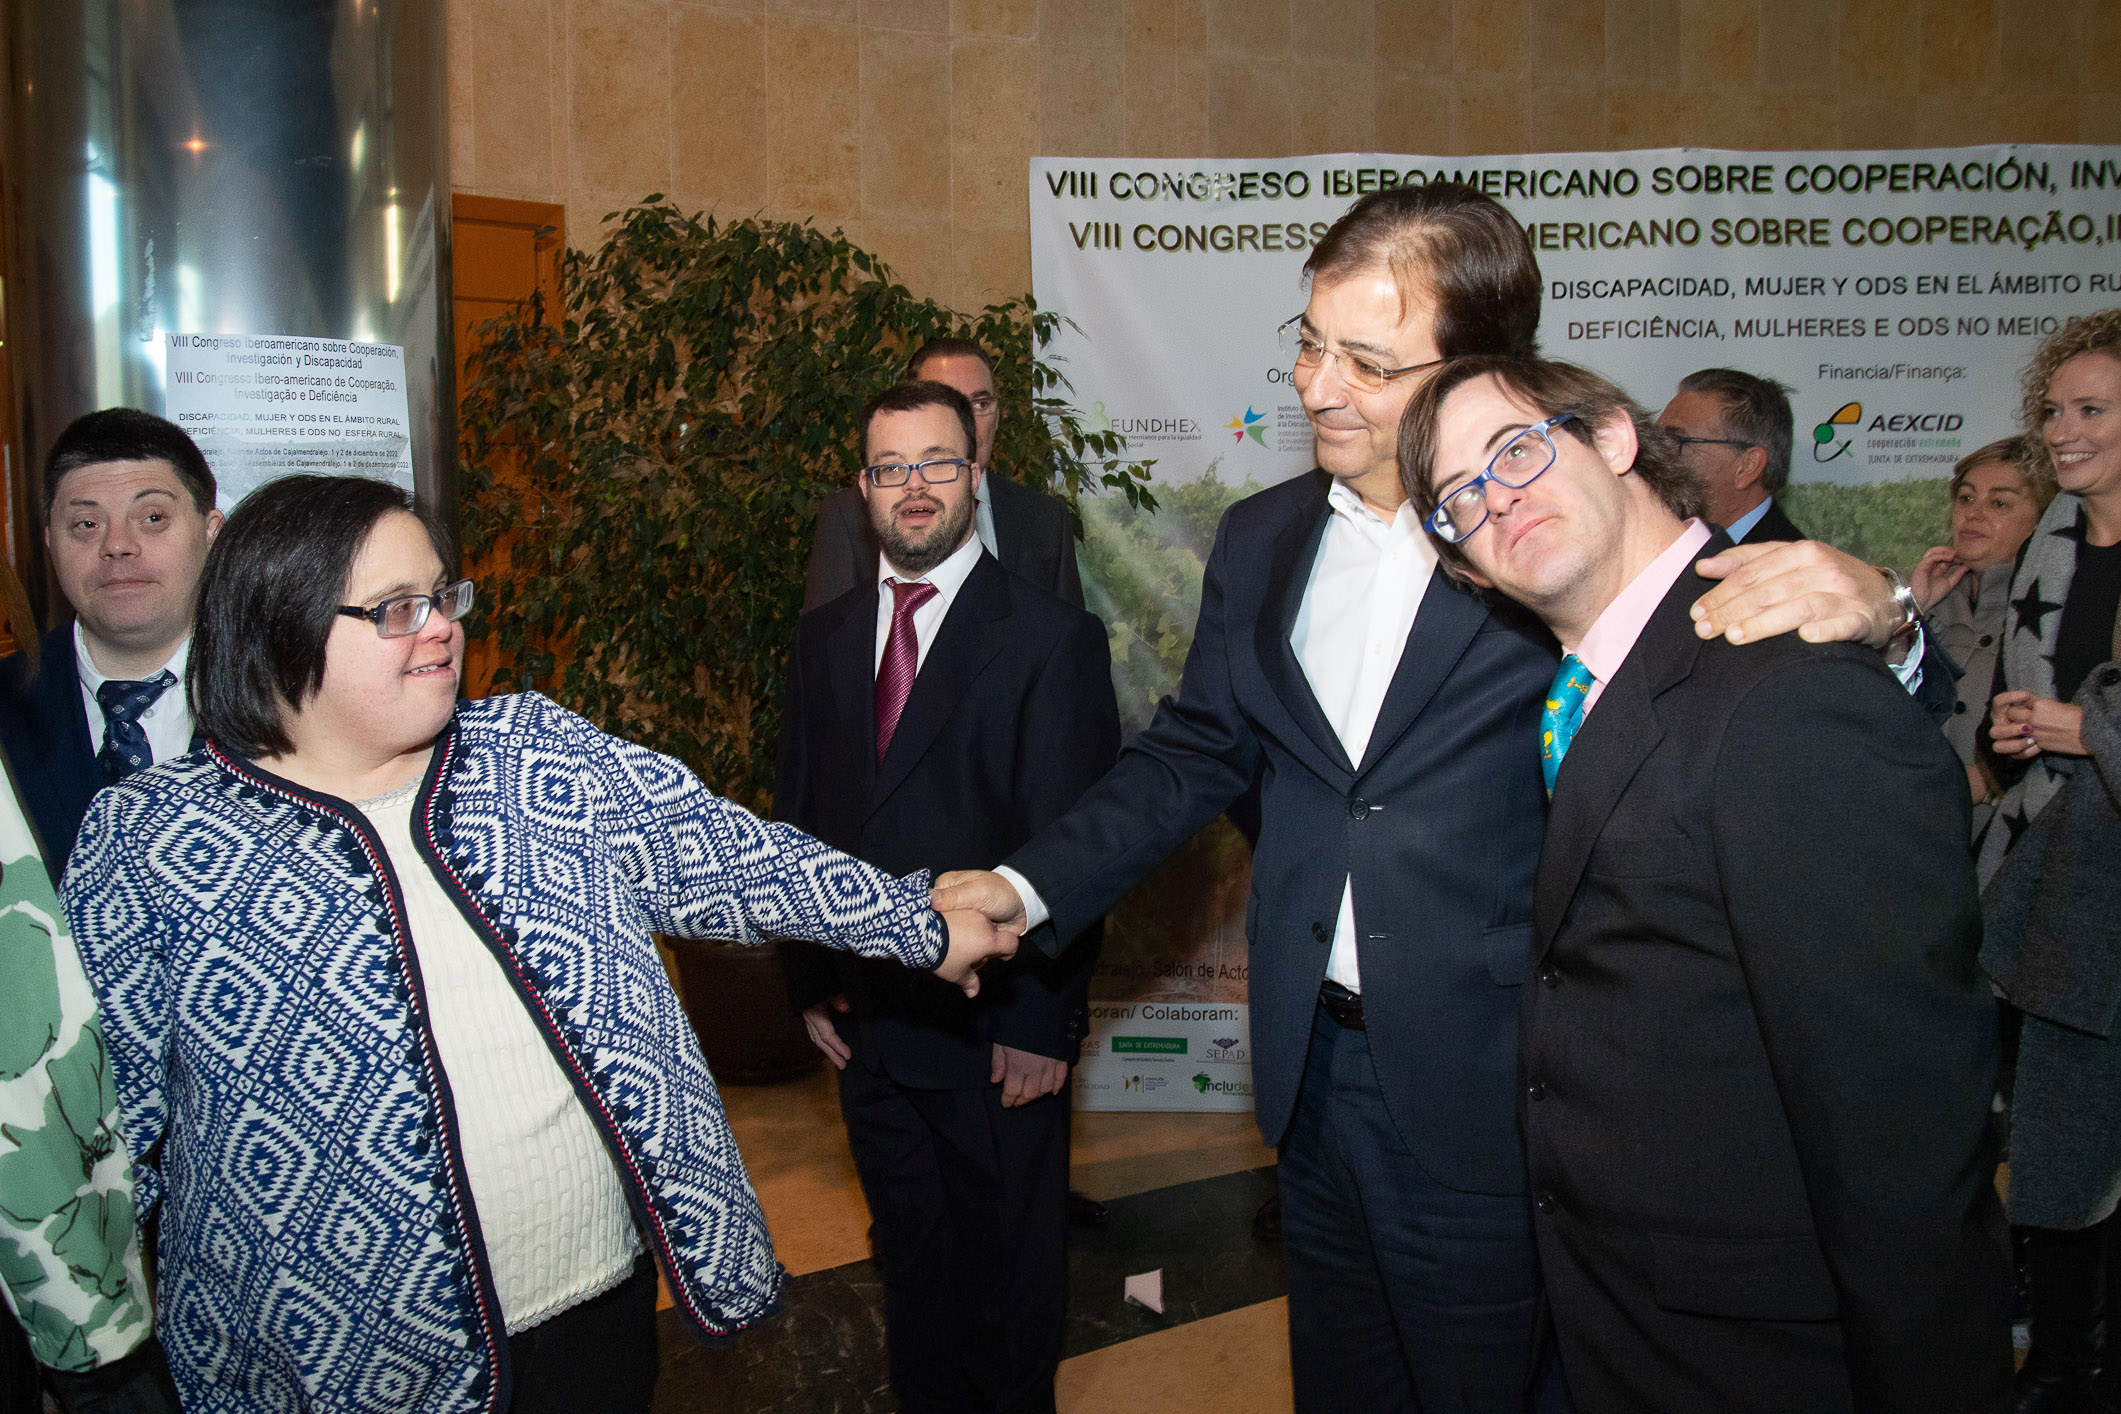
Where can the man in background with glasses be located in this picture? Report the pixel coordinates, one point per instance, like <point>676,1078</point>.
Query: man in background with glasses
<point>1030,532</point>
<point>1402,814</point>
<point>938,716</point>
<point>1734,430</point>
<point>1755,1080</point>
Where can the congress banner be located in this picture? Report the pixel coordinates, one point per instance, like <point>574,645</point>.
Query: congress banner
<point>1897,294</point>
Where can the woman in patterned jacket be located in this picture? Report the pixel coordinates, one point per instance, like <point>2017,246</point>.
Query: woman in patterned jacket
<point>395,1052</point>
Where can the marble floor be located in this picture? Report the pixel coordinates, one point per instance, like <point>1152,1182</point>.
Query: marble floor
<point>1180,1188</point>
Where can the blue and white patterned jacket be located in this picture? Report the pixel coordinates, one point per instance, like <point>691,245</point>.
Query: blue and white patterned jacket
<point>268,1029</point>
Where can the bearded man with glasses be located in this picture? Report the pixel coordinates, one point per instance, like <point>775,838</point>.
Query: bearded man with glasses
<point>1393,712</point>
<point>1030,532</point>
<point>938,716</point>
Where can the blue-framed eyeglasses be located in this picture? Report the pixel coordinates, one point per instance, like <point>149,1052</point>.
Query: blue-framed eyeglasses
<point>939,472</point>
<point>1517,464</point>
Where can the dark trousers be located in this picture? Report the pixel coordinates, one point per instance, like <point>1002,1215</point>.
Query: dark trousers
<point>599,1355</point>
<point>1404,1295</point>
<point>970,1202</point>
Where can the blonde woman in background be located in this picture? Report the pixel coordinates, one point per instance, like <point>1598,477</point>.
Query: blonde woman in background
<point>1998,494</point>
<point>2051,867</point>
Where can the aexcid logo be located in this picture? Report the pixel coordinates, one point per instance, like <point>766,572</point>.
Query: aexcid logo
<point>1830,439</point>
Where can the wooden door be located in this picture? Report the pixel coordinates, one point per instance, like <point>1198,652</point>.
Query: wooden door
<point>502,253</point>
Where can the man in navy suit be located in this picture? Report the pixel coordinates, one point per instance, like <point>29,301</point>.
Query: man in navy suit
<point>1030,532</point>
<point>938,716</point>
<point>1734,430</point>
<point>129,513</point>
<point>1391,912</point>
<point>1756,1081</point>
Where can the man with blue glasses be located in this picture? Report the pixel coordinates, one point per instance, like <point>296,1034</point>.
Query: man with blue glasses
<point>1757,1056</point>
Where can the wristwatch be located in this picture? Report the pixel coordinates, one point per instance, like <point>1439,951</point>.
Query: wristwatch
<point>1910,610</point>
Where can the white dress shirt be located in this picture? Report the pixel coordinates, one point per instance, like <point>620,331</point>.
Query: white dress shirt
<point>167,722</point>
<point>947,577</point>
<point>1366,587</point>
<point>983,516</point>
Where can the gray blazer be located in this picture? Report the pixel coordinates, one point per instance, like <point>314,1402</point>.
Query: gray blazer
<point>2053,946</point>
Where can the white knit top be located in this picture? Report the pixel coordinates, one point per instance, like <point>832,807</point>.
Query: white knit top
<point>550,1204</point>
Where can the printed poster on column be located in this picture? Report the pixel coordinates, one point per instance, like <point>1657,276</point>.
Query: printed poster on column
<point>263,406</point>
<point>1897,294</point>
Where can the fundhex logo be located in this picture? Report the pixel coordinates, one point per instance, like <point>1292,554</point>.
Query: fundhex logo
<point>1252,425</point>
<point>1830,438</point>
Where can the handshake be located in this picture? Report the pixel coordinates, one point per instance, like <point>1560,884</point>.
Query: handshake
<point>985,919</point>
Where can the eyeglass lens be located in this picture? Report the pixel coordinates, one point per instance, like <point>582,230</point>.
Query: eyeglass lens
<point>409,615</point>
<point>1517,465</point>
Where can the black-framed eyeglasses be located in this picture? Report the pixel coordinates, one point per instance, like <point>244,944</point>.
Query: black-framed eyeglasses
<point>983,403</point>
<point>407,614</point>
<point>1685,442</point>
<point>939,472</point>
<point>1362,374</point>
<point>1516,464</point>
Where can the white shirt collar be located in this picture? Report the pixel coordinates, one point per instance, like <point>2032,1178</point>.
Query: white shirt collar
<point>947,577</point>
<point>93,677</point>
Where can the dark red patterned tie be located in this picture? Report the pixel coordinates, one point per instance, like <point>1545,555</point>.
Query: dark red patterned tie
<point>902,653</point>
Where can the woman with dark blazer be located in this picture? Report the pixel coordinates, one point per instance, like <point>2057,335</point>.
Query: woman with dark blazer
<point>2051,867</point>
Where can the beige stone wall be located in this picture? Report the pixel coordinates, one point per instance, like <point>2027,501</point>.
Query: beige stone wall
<point>909,122</point>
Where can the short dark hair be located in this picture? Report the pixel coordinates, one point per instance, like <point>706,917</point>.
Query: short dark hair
<point>1554,389</point>
<point>921,393</point>
<point>128,435</point>
<point>1454,244</point>
<point>946,348</point>
<point>269,596</point>
<point>1755,410</point>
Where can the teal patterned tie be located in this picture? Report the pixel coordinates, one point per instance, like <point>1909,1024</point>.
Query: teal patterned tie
<point>1562,715</point>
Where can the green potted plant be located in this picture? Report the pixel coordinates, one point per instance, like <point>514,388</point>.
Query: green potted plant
<point>641,474</point>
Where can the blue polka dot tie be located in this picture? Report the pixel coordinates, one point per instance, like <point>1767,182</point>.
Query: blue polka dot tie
<point>1562,715</point>
<point>125,748</point>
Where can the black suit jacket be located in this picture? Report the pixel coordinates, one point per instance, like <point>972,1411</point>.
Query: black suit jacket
<point>1011,717</point>
<point>1759,1056</point>
<point>1439,826</point>
<point>1033,532</point>
<point>45,732</point>
<point>1774,526</point>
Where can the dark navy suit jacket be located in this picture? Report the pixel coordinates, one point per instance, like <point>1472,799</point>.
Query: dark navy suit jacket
<point>45,733</point>
<point>1011,718</point>
<point>1439,826</point>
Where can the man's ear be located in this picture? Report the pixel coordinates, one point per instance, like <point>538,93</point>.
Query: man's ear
<point>1752,465</point>
<point>1615,439</point>
<point>214,521</point>
<point>973,472</point>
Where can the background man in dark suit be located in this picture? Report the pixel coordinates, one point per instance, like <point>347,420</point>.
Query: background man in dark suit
<point>1758,1057</point>
<point>936,720</point>
<point>1030,532</point>
<point>1734,431</point>
<point>1402,813</point>
<point>129,512</point>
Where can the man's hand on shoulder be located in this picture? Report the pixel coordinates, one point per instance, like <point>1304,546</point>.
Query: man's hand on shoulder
<point>1026,1075</point>
<point>1823,594</point>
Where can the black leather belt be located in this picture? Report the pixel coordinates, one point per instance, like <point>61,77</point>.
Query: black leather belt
<point>1341,1004</point>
